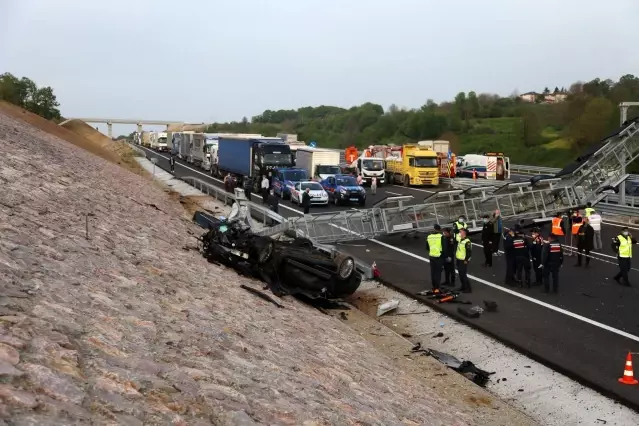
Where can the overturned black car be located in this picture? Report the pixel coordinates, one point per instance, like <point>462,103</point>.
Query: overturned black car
<point>291,266</point>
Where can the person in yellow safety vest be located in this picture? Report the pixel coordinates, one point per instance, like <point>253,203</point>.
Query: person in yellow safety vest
<point>462,256</point>
<point>458,226</point>
<point>589,210</point>
<point>622,245</point>
<point>434,245</point>
<point>557,225</point>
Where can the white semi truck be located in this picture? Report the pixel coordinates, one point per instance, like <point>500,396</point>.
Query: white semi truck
<point>162,144</point>
<point>319,163</point>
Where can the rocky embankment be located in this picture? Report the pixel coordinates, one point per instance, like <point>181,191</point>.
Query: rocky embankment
<point>130,327</point>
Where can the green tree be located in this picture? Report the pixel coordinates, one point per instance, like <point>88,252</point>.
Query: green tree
<point>593,124</point>
<point>26,94</point>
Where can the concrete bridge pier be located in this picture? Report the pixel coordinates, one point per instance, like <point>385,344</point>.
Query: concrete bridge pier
<point>110,129</point>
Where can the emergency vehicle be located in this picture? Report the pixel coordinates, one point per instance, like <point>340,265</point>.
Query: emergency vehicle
<point>490,165</point>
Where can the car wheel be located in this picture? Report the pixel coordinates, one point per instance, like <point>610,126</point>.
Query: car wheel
<point>345,266</point>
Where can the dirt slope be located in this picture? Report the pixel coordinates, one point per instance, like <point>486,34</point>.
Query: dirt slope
<point>129,328</point>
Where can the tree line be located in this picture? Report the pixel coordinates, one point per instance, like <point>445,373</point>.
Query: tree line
<point>588,112</point>
<point>24,93</point>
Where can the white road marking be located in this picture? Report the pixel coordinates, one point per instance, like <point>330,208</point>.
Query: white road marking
<point>480,280</point>
<point>524,297</point>
<point>414,189</point>
<point>394,193</point>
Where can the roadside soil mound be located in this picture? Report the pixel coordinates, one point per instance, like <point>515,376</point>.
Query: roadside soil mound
<point>108,315</point>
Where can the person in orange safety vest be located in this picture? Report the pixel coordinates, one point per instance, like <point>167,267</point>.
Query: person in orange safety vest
<point>575,222</point>
<point>557,226</point>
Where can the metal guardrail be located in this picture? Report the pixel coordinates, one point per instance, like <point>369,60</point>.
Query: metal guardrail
<point>533,170</point>
<point>264,213</point>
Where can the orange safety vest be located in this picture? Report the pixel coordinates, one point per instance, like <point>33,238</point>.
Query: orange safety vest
<point>474,174</point>
<point>556,226</point>
<point>576,226</point>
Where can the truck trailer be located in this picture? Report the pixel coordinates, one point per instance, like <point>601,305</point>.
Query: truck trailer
<point>248,159</point>
<point>318,162</point>
<point>197,154</point>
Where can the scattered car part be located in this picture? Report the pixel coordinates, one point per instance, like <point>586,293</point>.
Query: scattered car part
<point>387,307</point>
<point>466,368</point>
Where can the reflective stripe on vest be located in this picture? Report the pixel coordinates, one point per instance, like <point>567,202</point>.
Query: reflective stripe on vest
<point>589,211</point>
<point>575,227</point>
<point>625,246</point>
<point>555,247</point>
<point>556,226</point>
<point>434,245</point>
<point>460,226</point>
<point>461,249</point>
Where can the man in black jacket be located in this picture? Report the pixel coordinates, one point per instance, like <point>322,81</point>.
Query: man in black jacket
<point>510,256</point>
<point>535,251</point>
<point>585,241</point>
<point>487,238</point>
<point>306,201</point>
<point>448,254</point>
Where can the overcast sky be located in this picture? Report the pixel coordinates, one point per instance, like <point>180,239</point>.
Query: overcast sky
<point>199,60</point>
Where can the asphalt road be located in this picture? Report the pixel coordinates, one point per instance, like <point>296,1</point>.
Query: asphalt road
<point>584,331</point>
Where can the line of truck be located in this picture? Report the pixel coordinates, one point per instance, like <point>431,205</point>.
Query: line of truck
<point>285,160</point>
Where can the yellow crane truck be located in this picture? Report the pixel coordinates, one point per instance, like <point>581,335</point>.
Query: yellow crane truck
<point>416,165</point>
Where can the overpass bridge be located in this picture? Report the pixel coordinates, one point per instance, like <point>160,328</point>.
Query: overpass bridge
<point>139,123</point>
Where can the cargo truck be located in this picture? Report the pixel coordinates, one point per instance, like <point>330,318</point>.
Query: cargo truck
<point>248,159</point>
<point>197,154</point>
<point>210,150</point>
<point>318,162</point>
<point>414,165</point>
<point>161,144</point>
<point>368,167</point>
<point>446,159</point>
<point>184,144</point>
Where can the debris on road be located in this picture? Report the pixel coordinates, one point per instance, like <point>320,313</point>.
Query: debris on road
<point>474,312</point>
<point>465,368</point>
<point>262,295</point>
<point>490,305</point>
<point>387,307</point>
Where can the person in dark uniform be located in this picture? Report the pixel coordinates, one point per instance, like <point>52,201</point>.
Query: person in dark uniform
<point>521,250</point>
<point>462,256</point>
<point>306,201</point>
<point>552,257</point>
<point>585,241</point>
<point>487,241</point>
<point>172,163</point>
<point>435,245</point>
<point>622,245</point>
<point>273,201</point>
<point>448,254</point>
<point>537,244</point>
<point>510,256</point>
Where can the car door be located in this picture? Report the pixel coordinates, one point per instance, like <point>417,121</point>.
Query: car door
<point>296,192</point>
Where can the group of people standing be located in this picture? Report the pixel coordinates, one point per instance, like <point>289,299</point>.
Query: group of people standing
<point>526,256</point>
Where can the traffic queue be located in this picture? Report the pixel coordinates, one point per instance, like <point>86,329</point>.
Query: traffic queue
<point>530,259</point>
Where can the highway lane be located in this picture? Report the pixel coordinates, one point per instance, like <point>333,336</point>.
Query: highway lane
<point>584,331</point>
